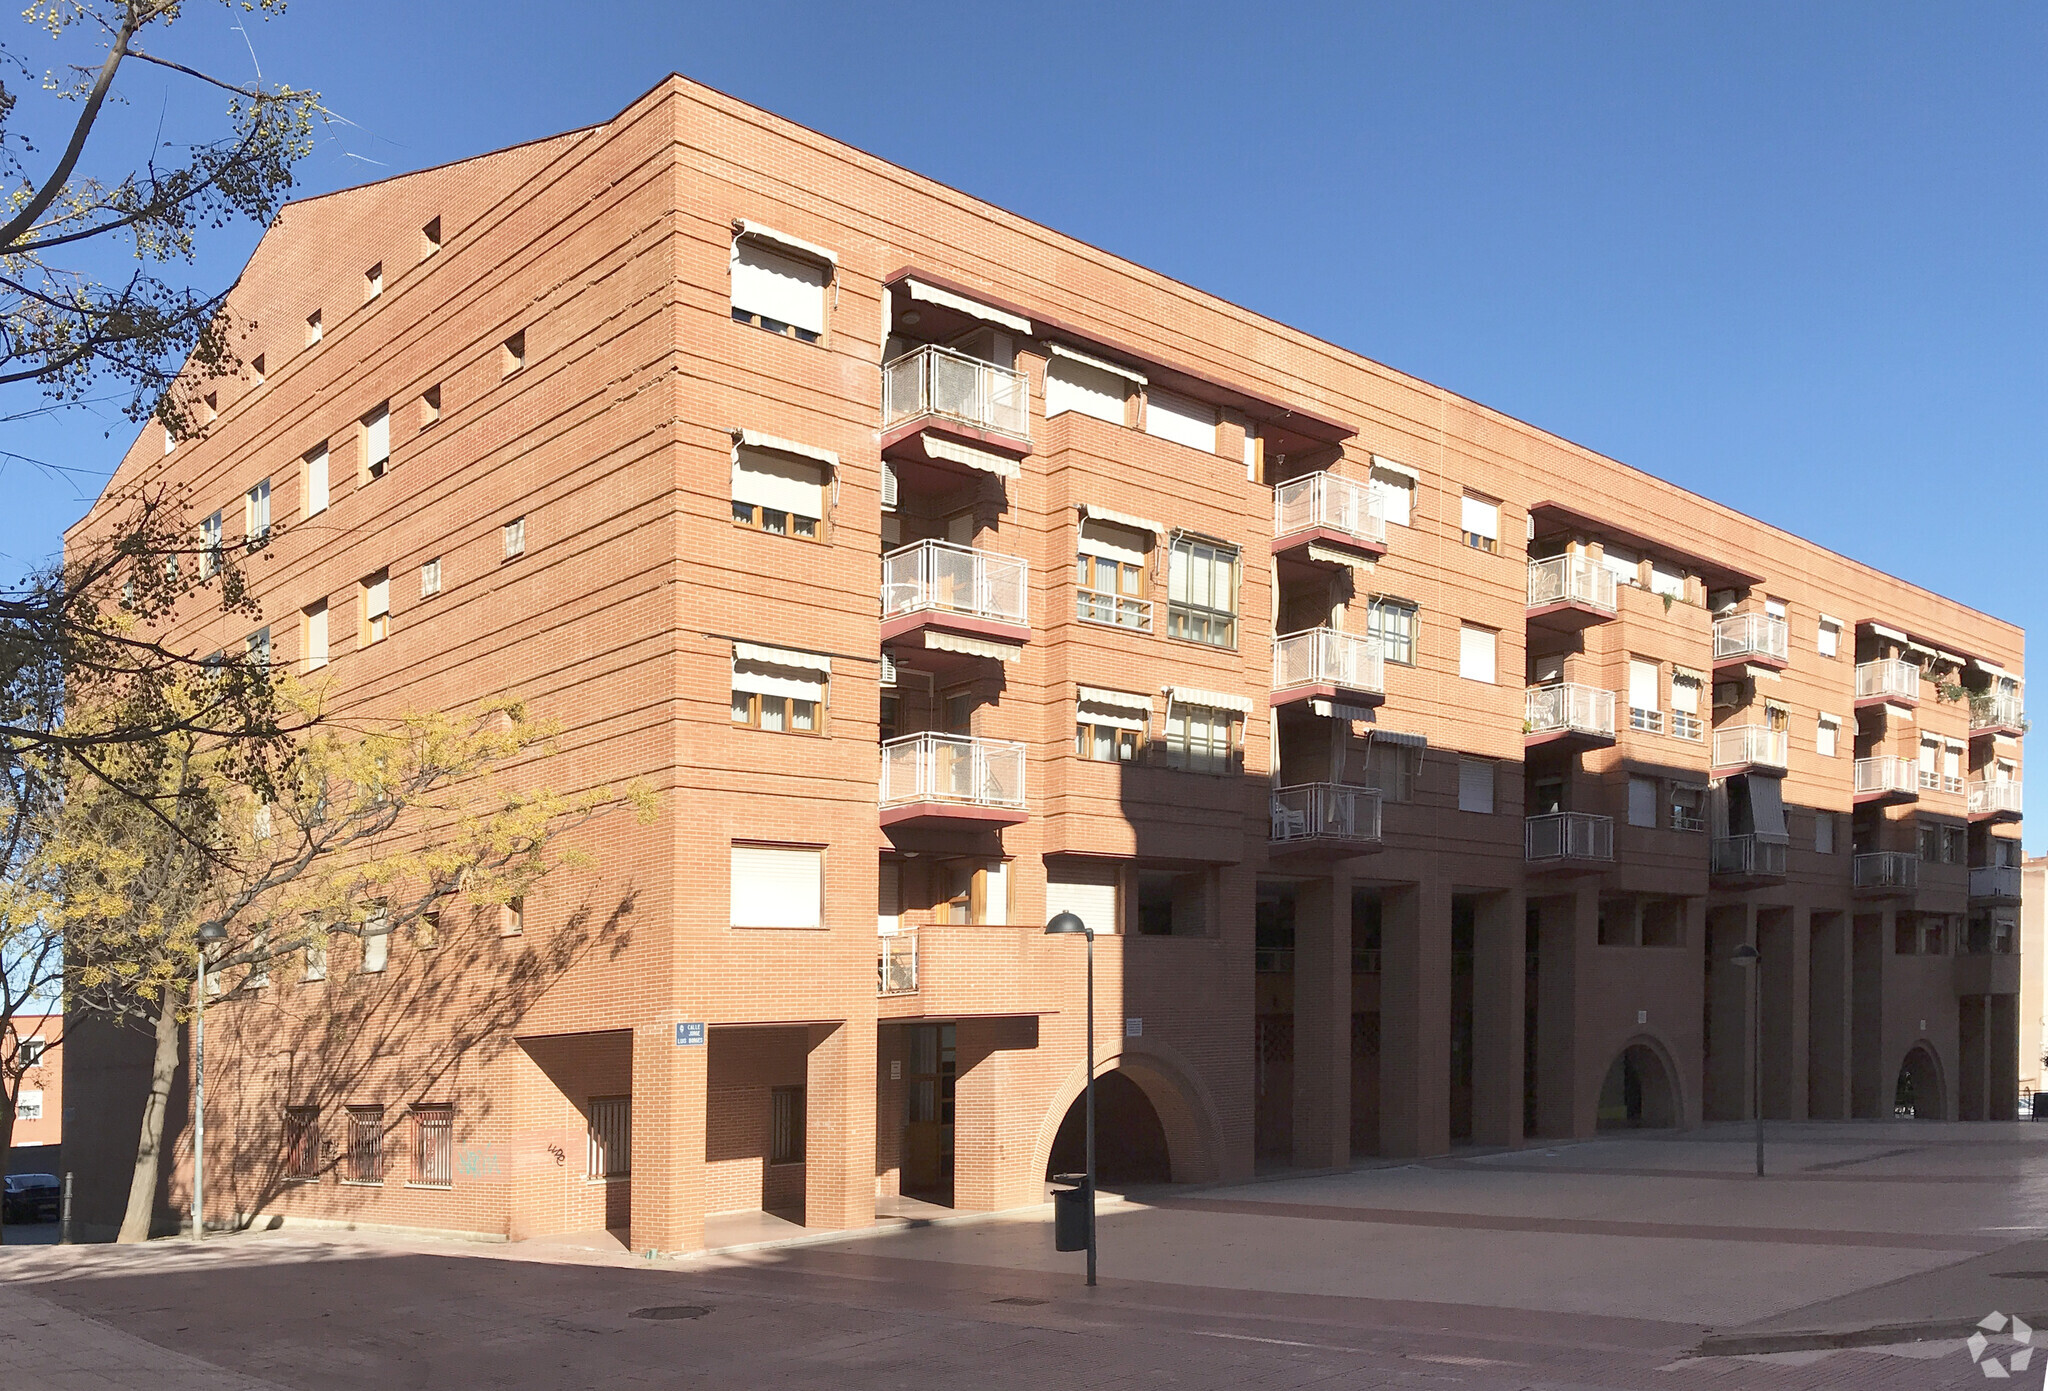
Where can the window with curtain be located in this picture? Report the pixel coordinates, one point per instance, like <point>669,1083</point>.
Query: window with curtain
<point>1110,731</point>
<point>1200,739</point>
<point>779,689</point>
<point>1828,638</point>
<point>375,592</point>
<point>1393,622</point>
<point>1202,592</point>
<point>1110,575</point>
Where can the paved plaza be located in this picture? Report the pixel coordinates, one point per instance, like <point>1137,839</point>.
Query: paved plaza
<point>1861,1261</point>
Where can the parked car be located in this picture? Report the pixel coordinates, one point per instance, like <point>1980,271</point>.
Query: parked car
<point>33,1197</point>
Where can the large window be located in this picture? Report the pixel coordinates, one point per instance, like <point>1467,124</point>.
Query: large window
<point>1087,889</point>
<point>1393,622</point>
<point>1392,766</point>
<point>778,493</point>
<point>1202,592</point>
<point>778,689</point>
<point>773,288</point>
<point>1110,575</point>
<point>777,886</point>
<point>1201,739</point>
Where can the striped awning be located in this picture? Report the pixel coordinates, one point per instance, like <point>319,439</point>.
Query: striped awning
<point>988,461</point>
<point>1209,700</point>
<point>971,647</point>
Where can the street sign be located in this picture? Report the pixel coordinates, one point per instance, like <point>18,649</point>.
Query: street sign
<point>1134,1027</point>
<point>689,1034</point>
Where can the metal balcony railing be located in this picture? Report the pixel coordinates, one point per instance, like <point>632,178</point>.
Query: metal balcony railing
<point>1566,705</point>
<point>938,381</point>
<point>1571,579</point>
<point>1326,657</point>
<point>1750,635</point>
<point>1749,855</point>
<point>955,768</point>
<point>1747,745</point>
<point>950,578</point>
<point>896,965</point>
<point>1325,811</point>
<point>1889,678</point>
<point>1995,881</point>
<point>1885,773</point>
<point>1568,835</point>
<point>1117,610</point>
<point>1332,501</point>
<point>1994,794</point>
<point>1999,710</point>
<point>1885,869</point>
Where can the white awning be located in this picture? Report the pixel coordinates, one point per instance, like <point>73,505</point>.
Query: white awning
<point>1331,555</point>
<point>946,299</point>
<point>1990,668</point>
<point>1923,649</point>
<point>754,439</point>
<point>1395,736</point>
<point>780,657</point>
<point>1830,618</point>
<point>1687,673</point>
<point>1128,373</point>
<point>1893,633</point>
<point>1090,512</point>
<point>1903,713</point>
<point>1122,700</point>
<point>1001,465</point>
<point>1335,710</point>
<point>1951,657</point>
<point>971,647</point>
<point>1391,467</point>
<point>1209,700</point>
<point>1757,673</point>
<point>1826,718</point>
<point>745,228</point>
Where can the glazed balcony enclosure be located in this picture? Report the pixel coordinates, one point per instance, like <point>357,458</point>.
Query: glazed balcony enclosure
<point>1568,842</point>
<point>1749,748</point>
<point>1994,799</point>
<point>1325,820</point>
<point>1751,639</point>
<point>1570,592</point>
<point>1997,712</point>
<point>942,586</point>
<point>1884,873</point>
<point>1568,715</point>
<point>1324,664</point>
<point>1886,779</point>
<point>934,385</point>
<point>896,965</point>
<point>1325,518</point>
<point>1748,859</point>
<point>1887,682</point>
<point>940,780</point>
<point>1995,884</point>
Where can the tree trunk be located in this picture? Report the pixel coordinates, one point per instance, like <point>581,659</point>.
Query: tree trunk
<point>135,1223</point>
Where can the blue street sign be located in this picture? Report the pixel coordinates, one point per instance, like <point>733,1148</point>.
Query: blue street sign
<point>689,1034</point>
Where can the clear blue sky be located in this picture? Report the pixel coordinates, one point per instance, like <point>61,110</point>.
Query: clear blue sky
<point>1788,256</point>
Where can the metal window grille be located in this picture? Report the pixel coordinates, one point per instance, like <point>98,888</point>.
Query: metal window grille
<point>365,1144</point>
<point>433,1146</point>
<point>611,1136</point>
<point>301,1142</point>
<point>786,1129</point>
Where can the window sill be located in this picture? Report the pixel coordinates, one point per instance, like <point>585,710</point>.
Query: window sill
<point>819,540</point>
<point>432,1187</point>
<point>606,1178</point>
<point>362,1183</point>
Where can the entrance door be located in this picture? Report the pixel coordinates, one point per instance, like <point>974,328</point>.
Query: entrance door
<point>928,1119</point>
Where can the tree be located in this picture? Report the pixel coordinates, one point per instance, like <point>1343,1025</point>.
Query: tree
<point>361,834</point>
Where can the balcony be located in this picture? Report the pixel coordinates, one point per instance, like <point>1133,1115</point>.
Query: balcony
<point>1748,859</point>
<point>1995,884</point>
<point>1994,972</point>
<point>1324,664</point>
<point>1325,820</point>
<point>1326,519</point>
<point>1751,639</point>
<point>1568,842</point>
<point>937,587</point>
<point>935,781</point>
<point>896,965</point>
<point>1569,716</point>
<point>1887,682</point>
<point>1749,748</point>
<point>1114,610</point>
<point>1570,592</point>
<point>1994,799</point>
<point>1885,780</point>
<point>1885,873</point>
<point>1996,713</point>
<point>955,413</point>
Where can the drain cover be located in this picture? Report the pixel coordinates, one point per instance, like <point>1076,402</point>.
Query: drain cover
<point>1018,1299</point>
<point>671,1311</point>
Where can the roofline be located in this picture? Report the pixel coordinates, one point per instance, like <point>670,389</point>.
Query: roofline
<point>444,164</point>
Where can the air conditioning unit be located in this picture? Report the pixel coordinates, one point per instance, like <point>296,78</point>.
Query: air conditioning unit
<point>1727,694</point>
<point>888,670</point>
<point>888,486</point>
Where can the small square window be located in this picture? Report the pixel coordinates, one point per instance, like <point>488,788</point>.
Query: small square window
<point>512,356</point>
<point>512,917</point>
<point>374,593</point>
<point>212,400</point>
<point>430,405</point>
<point>373,282</point>
<point>312,328</point>
<point>430,578</point>
<point>427,935</point>
<point>256,368</point>
<point>430,238</point>
<point>515,537</point>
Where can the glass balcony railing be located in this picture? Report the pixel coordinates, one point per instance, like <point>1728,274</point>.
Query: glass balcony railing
<point>1748,856</point>
<point>1880,776</point>
<point>953,768</point>
<point>948,578</point>
<point>1571,579</point>
<point>1988,795</point>
<point>896,965</point>
<point>1749,745</point>
<point>1313,811</point>
<point>1886,869</point>
<point>1750,635</point>
<point>1328,500</point>
<point>1326,657</point>
<point>935,381</point>
<point>1995,881</point>
<point>1568,835</point>
<point>1566,706</point>
<point>1889,679</point>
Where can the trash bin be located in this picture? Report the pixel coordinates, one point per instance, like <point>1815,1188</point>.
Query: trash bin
<point>1071,1214</point>
<point>2041,1106</point>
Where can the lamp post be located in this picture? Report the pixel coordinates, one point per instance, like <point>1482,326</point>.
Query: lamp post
<point>1063,925</point>
<point>1751,960</point>
<point>211,932</point>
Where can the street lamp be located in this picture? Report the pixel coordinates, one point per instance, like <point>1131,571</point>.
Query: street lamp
<point>1751,960</point>
<point>209,933</point>
<point>1067,924</point>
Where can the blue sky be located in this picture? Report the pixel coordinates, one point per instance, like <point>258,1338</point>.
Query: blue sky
<point>1788,256</point>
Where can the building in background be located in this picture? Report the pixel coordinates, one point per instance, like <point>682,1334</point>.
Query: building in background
<point>1420,770</point>
<point>39,1106</point>
<point>2033,1043</point>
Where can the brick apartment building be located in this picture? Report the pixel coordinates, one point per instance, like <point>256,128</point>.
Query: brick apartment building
<point>39,1105</point>
<point>1419,770</point>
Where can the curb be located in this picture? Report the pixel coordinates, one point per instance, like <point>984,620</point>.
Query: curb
<point>1822,1339</point>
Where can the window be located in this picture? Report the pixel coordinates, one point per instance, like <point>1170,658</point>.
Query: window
<point>257,648</point>
<point>302,1142</point>
<point>1110,573</point>
<point>258,977</point>
<point>1667,579</point>
<point>376,941</point>
<point>170,440</point>
<point>256,514</point>
<point>779,689</point>
<point>978,894</point>
<point>1930,763</point>
<point>1643,708</point>
<point>1688,807</point>
<point>28,1104</point>
<point>1087,889</point>
<point>1202,592</point>
<point>375,597</point>
<point>786,1125</point>
<point>1087,388</point>
<point>1392,767</point>
<point>315,616</point>
<point>365,1145</point>
<point>1393,622</point>
<point>430,405</point>
<point>1475,784</point>
<point>512,916</point>
<point>430,578</point>
<point>316,956</point>
<point>430,238</point>
<point>1173,903</point>
<point>1110,726</point>
<point>316,479</point>
<point>512,354</point>
<point>889,899</point>
<point>1952,767</point>
<point>1481,523</point>
<point>778,493</point>
<point>515,538</point>
<point>777,886</point>
<point>1176,418</point>
<point>611,1137</point>
<point>1642,801</point>
<point>426,934</point>
<point>32,1050</point>
<point>1823,833</point>
<point>211,552</point>
<point>1200,739</point>
<point>256,367</point>
<point>1774,608</point>
<point>1395,489</point>
<point>377,442</point>
<point>312,328</point>
<point>1954,845</point>
<point>1930,844</point>
<point>1828,638</point>
<point>1827,733</point>
<point>1476,652</point>
<point>777,291</point>
<point>1626,565</point>
<point>1685,704</point>
<point>373,282</point>
<point>433,1146</point>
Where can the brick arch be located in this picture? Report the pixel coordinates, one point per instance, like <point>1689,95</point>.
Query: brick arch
<point>1184,1106</point>
<point>1932,1071</point>
<point>1659,1052</point>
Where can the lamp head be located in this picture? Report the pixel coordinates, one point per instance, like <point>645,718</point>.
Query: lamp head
<point>1745,955</point>
<point>213,932</point>
<point>1067,923</point>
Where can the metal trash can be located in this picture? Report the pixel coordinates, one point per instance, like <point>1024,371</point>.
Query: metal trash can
<point>1070,1214</point>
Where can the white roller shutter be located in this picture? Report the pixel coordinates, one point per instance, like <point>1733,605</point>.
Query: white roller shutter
<point>1075,386</point>
<point>1480,517</point>
<point>995,883</point>
<point>889,900</point>
<point>1396,492</point>
<point>1475,785</point>
<point>1176,418</point>
<point>771,671</point>
<point>1476,653</point>
<point>1642,685</point>
<point>316,481</point>
<point>1086,891</point>
<point>316,636</point>
<point>777,286</point>
<point>779,482</point>
<point>1685,693</point>
<point>774,887</point>
<point>1625,564</point>
<point>1113,542</point>
<point>1642,801</point>
<point>377,436</point>
<point>1667,579</point>
<point>377,598</point>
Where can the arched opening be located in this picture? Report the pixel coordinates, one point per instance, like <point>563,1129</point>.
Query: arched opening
<point>1638,1094</point>
<point>1130,1141</point>
<point>1918,1094</point>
